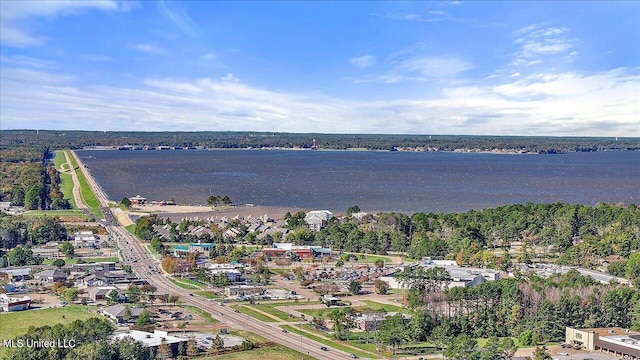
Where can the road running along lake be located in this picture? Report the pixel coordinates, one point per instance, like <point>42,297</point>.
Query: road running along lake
<point>376,181</point>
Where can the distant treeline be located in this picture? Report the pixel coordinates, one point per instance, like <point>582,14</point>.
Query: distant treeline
<point>208,139</point>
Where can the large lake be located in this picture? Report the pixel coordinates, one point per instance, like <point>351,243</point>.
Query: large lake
<point>376,181</point>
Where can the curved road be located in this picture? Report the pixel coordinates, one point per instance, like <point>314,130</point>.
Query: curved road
<point>142,263</point>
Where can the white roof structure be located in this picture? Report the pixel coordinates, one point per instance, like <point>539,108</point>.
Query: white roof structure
<point>154,339</point>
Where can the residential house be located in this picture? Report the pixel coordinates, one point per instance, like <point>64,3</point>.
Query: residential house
<point>116,312</point>
<point>50,276</point>
<point>100,293</point>
<point>14,304</point>
<point>15,275</point>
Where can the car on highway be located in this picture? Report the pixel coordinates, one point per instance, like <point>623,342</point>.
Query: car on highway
<point>284,331</point>
<point>353,356</point>
<point>190,294</point>
<point>236,311</point>
<point>324,348</point>
<point>563,353</point>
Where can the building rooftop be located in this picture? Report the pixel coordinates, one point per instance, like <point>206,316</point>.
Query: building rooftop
<point>154,339</point>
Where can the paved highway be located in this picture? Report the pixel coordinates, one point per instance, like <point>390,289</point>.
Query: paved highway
<point>145,267</point>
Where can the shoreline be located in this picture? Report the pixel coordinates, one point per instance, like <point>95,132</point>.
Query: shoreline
<point>203,211</point>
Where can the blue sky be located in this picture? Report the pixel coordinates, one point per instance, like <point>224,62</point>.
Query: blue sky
<point>503,68</point>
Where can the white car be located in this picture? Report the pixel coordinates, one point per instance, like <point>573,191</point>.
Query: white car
<point>563,353</point>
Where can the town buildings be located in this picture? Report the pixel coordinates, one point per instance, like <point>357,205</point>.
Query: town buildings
<point>619,342</point>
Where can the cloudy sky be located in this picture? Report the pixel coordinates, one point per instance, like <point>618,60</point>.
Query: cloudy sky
<point>504,68</point>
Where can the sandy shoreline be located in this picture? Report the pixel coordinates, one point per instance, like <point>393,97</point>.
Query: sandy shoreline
<point>203,211</point>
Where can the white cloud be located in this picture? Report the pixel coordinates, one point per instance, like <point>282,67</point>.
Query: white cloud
<point>363,61</point>
<point>407,67</point>
<point>148,48</point>
<point>598,104</point>
<point>15,17</point>
<point>179,17</point>
<point>536,43</point>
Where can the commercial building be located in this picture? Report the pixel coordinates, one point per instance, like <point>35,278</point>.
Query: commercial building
<point>286,250</point>
<point>14,304</point>
<point>458,276</point>
<point>152,340</point>
<point>86,239</point>
<point>613,341</point>
<point>201,249</point>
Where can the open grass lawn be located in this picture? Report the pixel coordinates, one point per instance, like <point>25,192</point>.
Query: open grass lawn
<point>205,315</point>
<point>254,314</point>
<point>17,323</point>
<point>368,259</point>
<point>208,294</point>
<point>184,284</point>
<point>332,343</point>
<point>317,313</point>
<point>101,259</point>
<point>58,213</point>
<point>66,186</point>
<point>131,228</point>
<point>376,306</point>
<point>277,352</point>
<point>271,310</point>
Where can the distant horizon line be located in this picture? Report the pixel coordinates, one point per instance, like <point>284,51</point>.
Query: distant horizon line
<point>321,133</point>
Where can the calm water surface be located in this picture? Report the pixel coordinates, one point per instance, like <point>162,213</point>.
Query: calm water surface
<point>376,181</point>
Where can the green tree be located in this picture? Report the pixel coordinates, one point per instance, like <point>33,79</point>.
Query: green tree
<point>71,294</point>
<point>352,210</point>
<point>393,331</point>
<point>462,348</point>
<point>144,318</point>
<point>67,249</point>
<point>540,354</point>
<point>127,313</point>
<point>112,297</point>
<point>355,287</point>
<point>217,343</point>
<point>59,263</point>
<point>125,202</point>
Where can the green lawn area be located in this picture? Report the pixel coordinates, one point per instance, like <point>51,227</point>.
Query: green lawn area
<point>184,284</point>
<point>331,343</point>
<point>316,313</point>
<point>376,306</point>
<point>254,314</point>
<point>277,352</point>
<point>86,193</point>
<point>17,323</point>
<point>66,181</point>
<point>101,259</point>
<point>207,294</point>
<point>271,309</point>
<point>368,259</point>
<point>131,228</point>
<point>58,213</point>
<point>207,316</point>
<point>66,260</point>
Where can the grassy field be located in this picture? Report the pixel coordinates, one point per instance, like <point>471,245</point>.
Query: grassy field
<point>183,283</point>
<point>254,314</point>
<point>207,316</point>
<point>58,213</point>
<point>272,353</point>
<point>331,343</point>
<point>207,294</point>
<point>271,310</point>
<point>17,323</point>
<point>368,259</point>
<point>131,228</point>
<point>86,193</point>
<point>376,306</point>
<point>66,181</point>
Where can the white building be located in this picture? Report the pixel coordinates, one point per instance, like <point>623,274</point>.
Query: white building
<point>458,276</point>
<point>86,239</point>
<point>152,340</point>
<point>229,270</point>
<point>318,219</point>
<point>14,304</point>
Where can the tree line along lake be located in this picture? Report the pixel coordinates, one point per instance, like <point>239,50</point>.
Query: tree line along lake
<point>374,180</point>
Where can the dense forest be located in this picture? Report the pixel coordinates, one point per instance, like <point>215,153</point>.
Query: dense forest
<point>29,179</point>
<point>79,139</point>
